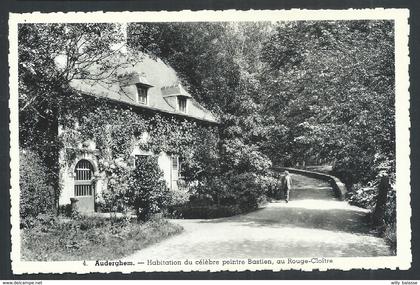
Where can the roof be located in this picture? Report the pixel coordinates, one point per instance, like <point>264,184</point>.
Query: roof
<point>127,79</point>
<point>161,81</point>
<point>175,90</point>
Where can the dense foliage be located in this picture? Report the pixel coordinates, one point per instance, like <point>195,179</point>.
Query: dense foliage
<point>217,62</point>
<point>291,93</point>
<point>50,55</point>
<point>285,93</point>
<point>117,130</point>
<point>36,195</point>
<point>334,82</point>
<point>366,196</point>
<point>148,192</point>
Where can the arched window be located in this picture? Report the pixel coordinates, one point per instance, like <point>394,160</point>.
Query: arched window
<point>83,178</point>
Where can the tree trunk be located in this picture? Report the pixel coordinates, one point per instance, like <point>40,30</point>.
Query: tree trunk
<point>379,213</point>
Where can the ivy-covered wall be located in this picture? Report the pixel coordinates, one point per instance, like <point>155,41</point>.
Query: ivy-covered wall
<point>108,133</point>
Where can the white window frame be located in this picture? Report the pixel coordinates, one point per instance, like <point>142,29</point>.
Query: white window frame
<point>140,89</point>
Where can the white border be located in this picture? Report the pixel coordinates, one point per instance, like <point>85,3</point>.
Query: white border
<point>403,258</point>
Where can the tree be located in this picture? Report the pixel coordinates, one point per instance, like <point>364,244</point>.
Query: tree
<point>50,56</point>
<point>36,195</point>
<point>284,92</point>
<point>199,54</point>
<point>217,63</point>
<point>384,187</point>
<point>334,83</point>
<point>148,193</point>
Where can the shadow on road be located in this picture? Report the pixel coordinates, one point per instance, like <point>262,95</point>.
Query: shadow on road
<point>313,223</point>
<point>289,215</point>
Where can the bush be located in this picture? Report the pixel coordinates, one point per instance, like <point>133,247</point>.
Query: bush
<point>366,196</point>
<point>362,169</point>
<point>178,197</point>
<point>248,193</point>
<point>391,208</point>
<point>120,177</point>
<point>353,171</point>
<point>36,195</point>
<point>148,193</point>
<point>238,183</point>
<point>250,189</point>
<point>188,211</point>
<point>272,186</point>
<point>65,210</point>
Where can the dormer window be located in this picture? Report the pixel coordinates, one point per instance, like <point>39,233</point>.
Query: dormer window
<point>135,86</point>
<point>141,94</point>
<point>182,104</point>
<point>177,97</point>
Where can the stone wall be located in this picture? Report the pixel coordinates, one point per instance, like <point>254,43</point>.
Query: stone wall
<point>339,188</point>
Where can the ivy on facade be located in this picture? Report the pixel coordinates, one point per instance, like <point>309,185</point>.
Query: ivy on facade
<point>116,129</point>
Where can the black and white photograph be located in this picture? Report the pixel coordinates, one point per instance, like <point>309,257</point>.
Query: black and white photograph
<point>233,141</point>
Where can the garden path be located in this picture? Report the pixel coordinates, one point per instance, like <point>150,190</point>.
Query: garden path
<point>312,224</point>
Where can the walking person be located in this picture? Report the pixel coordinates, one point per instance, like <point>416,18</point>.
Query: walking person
<point>287,185</point>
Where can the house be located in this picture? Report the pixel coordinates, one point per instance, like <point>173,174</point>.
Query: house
<point>150,87</point>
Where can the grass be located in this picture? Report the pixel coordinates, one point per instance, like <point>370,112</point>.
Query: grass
<point>92,238</point>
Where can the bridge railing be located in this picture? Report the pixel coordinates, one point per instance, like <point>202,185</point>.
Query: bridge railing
<point>339,188</point>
